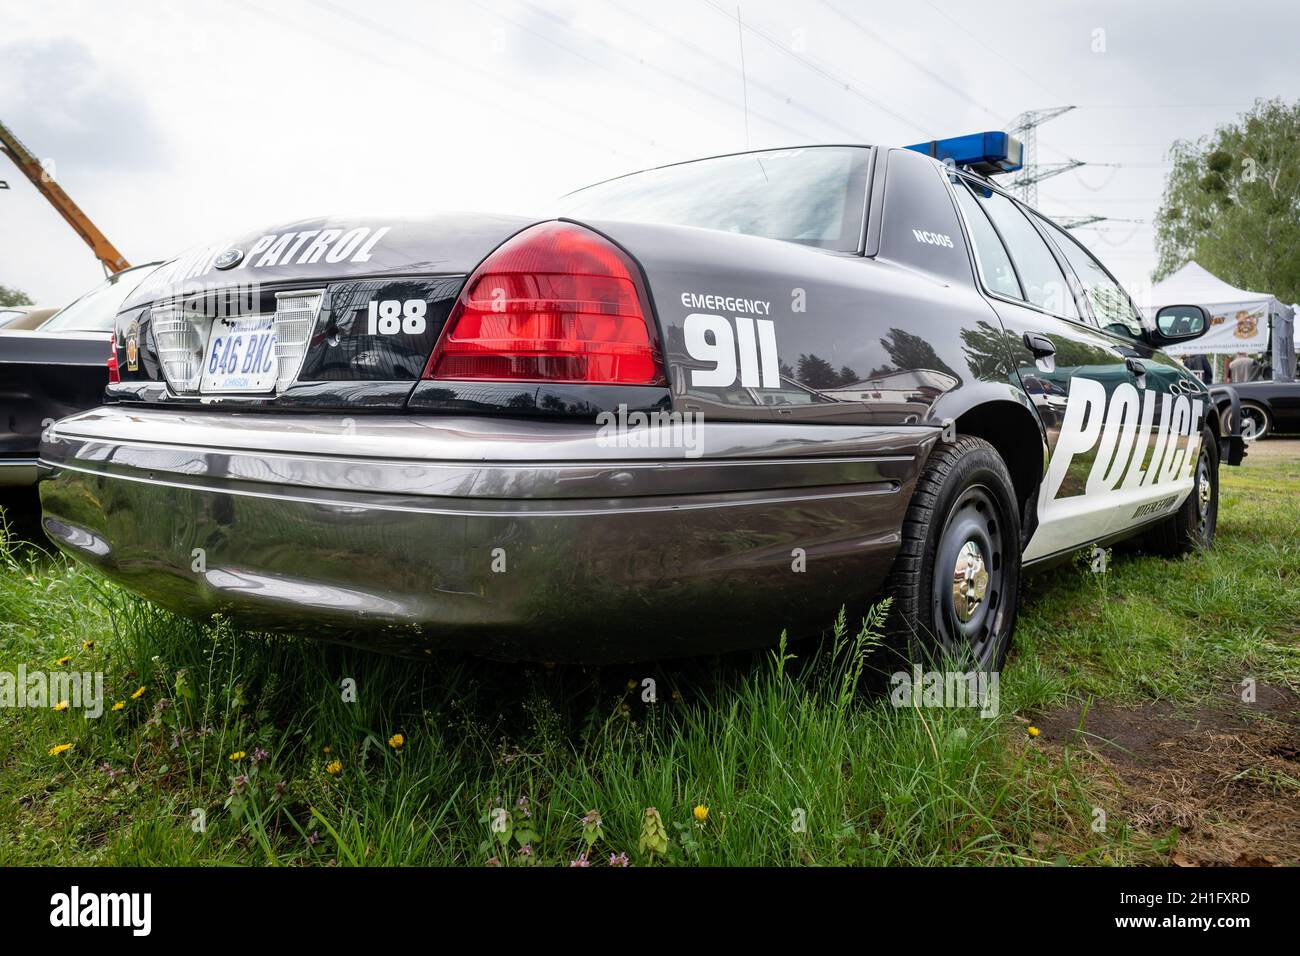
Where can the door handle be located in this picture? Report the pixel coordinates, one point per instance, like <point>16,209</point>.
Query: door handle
<point>1040,345</point>
<point>1135,366</point>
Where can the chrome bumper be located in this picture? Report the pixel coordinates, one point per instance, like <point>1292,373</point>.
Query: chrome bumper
<point>517,539</point>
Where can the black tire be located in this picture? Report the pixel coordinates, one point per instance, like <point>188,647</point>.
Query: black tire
<point>1192,526</point>
<point>963,496</point>
<point>1254,417</point>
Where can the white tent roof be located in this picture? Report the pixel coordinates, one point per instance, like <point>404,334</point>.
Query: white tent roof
<point>1239,318</point>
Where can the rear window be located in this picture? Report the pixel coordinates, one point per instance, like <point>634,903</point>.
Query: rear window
<point>1040,276</point>
<point>97,309</point>
<point>814,196</point>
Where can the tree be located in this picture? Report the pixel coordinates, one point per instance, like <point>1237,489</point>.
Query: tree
<point>816,372</point>
<point>10,296</point>
<point>1232,202</point>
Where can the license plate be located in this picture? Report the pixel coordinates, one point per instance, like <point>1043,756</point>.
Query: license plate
<point>241,355</point>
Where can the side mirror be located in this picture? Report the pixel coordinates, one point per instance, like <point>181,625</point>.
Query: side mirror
<point>1178,323</point>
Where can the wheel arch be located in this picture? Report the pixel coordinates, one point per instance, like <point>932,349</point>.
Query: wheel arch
<point>1017,435</point>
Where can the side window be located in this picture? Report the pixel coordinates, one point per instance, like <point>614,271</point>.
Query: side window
<point>994,263</point>
<point>1043,281</point>
<point>920,226</point>
<point>1114,311</point>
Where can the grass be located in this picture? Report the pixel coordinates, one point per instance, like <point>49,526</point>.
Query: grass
<point>793,765</point>
<point>1151,629</point>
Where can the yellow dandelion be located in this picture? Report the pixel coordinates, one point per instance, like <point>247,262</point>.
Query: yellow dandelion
<point>334,768</point>
<point>63,661</point>
<point>328,749</point>
<point>701,812</point>
<point>138,694</point>
<point>87,645</point>
<point>59,748</point>
<point>237,755</point>
<point>631,685</point>
<point>119,705</point>
<point>61,705</point>
<point>1033,731</point>
<point>396,741</point>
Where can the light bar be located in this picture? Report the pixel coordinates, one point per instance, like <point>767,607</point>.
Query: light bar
<point>985,153</point>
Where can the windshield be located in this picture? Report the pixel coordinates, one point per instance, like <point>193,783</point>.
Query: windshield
<point>813,196</point>
<point>96,310</point>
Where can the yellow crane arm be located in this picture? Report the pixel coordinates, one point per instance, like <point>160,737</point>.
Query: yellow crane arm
<point>30,167</point>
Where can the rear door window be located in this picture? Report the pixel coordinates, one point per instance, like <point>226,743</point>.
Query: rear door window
<point>991,255</point>
<point>1041,278</point>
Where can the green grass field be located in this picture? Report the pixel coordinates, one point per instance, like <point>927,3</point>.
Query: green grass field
<point>238,748</point>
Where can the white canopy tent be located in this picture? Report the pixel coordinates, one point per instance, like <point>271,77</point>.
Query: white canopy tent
<point>1240,320</point>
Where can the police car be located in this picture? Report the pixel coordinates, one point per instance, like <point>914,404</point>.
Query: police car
<point>703,404</point>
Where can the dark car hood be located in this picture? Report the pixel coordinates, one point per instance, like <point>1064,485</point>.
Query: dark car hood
<point>318,250</point>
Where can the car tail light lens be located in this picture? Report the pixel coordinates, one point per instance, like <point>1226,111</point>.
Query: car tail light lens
<point>557,303</point>
<point>179,343</point>
<point>114,376</point>
<point>295,318</point>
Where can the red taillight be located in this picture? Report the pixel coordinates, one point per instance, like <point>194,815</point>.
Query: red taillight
<point>114,377</point>
<point>557,303</point>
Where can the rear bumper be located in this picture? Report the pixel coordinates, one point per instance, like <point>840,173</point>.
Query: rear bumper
<point>518,539</point>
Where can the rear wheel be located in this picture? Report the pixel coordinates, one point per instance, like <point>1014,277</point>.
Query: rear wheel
<point>956,579</point>
<point>1192,526</point>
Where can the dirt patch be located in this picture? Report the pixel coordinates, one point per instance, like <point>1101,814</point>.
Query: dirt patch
<point>1225,775</point>
<point>1272,449</point>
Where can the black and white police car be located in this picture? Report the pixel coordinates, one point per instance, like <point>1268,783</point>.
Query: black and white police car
<point>706,403</point>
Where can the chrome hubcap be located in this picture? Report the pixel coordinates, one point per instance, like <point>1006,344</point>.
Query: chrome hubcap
<point>1203,492</point>
<point>970,581</point>
<point>970,612</point>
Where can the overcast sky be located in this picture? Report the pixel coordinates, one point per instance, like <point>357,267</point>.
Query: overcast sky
<point>177,123</point>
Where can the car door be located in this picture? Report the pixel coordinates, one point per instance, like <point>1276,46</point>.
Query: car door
<point>1085,394</point>
<point>1173,401</point>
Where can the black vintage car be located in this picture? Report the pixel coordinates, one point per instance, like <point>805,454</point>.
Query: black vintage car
<point>706,403</point>
<point>56,369</point>
<point>1266,408</point>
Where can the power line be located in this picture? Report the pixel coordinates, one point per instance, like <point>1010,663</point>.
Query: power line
<point>816,67</point>
<point>1167,106</point>
<point>958,91</point>
<point>696,87</point>
<point>744,76</point>
<point>1006,60</point>
<point>601,122</point>
<point>708,55</point>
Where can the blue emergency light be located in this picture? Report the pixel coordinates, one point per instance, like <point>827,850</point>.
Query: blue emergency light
<point>985,153</point>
